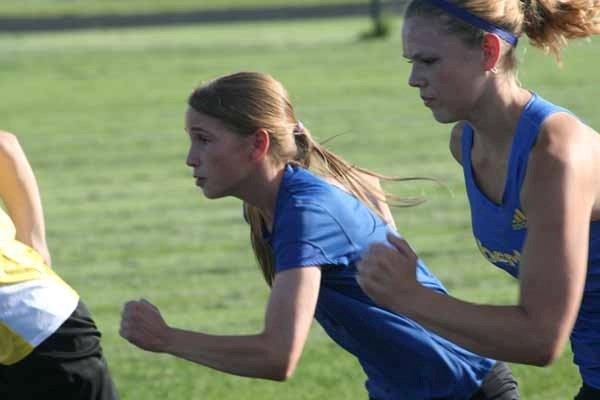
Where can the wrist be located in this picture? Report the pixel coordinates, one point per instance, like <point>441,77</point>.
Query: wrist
<point>415,302</point>
<point>168,341</point>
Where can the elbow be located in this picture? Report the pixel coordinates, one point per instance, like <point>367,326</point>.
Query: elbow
<point>281,370</point>
<point>546,335</point>
<point>546,349</point>
<point>280,363</point>
<point>546,355</point>
<point>280,376</point>
<point>281,355</point>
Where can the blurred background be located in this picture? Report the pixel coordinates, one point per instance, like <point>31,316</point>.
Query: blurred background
<point>96,91</point>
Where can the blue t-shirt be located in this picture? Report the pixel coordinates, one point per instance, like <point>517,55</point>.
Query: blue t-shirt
<point>318,224</point>
<point>500,231</point>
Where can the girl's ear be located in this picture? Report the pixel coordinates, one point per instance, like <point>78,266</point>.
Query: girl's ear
<point>492,47</point>
<point>261,142</point>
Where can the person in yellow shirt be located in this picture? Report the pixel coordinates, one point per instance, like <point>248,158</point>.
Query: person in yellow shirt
<point>49,344</point>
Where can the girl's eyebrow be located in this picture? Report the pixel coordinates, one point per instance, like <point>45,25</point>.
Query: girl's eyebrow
<point>198,129</point>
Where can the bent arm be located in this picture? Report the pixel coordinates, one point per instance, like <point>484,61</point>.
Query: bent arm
<point>271,354</point>
<point>19,192</point>
<point>558,195</point>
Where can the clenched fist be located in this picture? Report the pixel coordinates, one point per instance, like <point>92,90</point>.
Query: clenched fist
<point>388,274</point>
<point>142,325</point>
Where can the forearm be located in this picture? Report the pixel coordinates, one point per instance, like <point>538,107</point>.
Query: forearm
<point>505,332</point>
<point>30,229</point>
<point>272,354</point>
<point>20,194</point>
<point>251,356</point>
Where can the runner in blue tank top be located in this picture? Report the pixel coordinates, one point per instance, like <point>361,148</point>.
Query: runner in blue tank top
<point>308,233</point>
<point>532,172</point>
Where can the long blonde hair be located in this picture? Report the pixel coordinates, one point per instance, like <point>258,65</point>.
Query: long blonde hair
<point>247,101</point>
<point>548,24</point>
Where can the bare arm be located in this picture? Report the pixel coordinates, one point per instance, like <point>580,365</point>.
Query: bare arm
<point>271,354</point>
<point>558,195</point>
<point>19,192</point>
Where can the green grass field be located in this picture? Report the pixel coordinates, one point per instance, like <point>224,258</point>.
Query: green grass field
<point>100,114</point>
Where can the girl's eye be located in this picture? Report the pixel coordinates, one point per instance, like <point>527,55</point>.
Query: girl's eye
<point>426,61</point>
<point>429,61</point>
<point>200,139</point>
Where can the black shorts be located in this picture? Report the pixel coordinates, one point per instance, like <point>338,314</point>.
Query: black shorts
<point>588,393</point>
<point>68,365</point>
<point>498,384</point>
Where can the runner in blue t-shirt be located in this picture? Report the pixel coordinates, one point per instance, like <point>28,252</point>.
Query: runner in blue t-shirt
<point>532,172</point>
<point>308,232</point>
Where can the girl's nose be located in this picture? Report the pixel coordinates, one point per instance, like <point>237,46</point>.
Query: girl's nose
<point>414,80</point>
<point>192,160</point>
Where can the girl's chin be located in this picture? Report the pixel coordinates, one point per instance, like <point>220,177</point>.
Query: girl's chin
<point>444,118</point>
<point>211,195</point>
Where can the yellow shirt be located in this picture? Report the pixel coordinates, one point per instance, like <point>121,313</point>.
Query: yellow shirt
<point>34,300</point>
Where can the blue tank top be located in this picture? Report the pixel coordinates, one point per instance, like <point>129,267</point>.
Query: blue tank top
<point>500,231</point>
<point>317,223</point>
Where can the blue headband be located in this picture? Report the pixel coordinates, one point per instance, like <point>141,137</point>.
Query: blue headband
<point>474,20</point>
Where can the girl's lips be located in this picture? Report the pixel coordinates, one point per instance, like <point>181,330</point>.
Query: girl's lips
<point>200,181</point>
<point>427,101</point>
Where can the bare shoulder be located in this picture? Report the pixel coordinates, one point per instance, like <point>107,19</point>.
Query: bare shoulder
<point>455,141</point>
<point>566,157</point>
<point>564,138</point>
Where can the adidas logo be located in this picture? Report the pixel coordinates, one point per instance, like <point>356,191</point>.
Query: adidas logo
<point>519,220</point>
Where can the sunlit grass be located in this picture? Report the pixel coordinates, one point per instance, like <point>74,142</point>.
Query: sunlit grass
<point>100,114</point>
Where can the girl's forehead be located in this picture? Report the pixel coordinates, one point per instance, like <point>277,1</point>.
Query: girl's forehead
<point>423,29</point>
<point>427,35</point>
<point>197,121</point>
<point>195,117</point>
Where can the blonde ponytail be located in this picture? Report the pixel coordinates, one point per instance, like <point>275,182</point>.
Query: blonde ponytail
<point>549,24</point>
<point>311,155</point>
